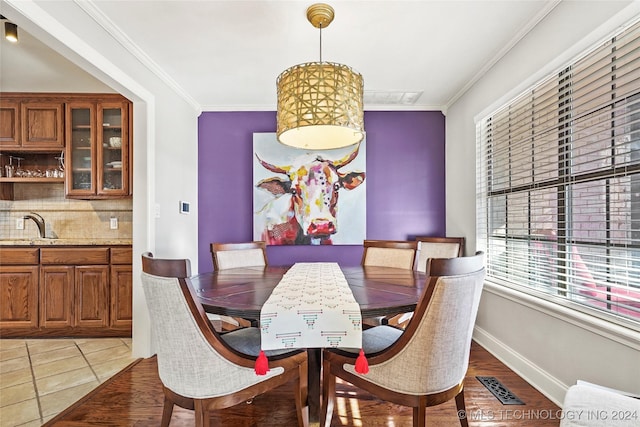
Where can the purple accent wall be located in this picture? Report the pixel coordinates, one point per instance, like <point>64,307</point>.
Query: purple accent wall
<point>405,182</point>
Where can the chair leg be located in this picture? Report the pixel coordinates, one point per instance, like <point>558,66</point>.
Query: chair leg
<point>328,395</point>
<point>201,413</point>
<point>462,409</point>
<point>167,410</point>
<point>420,414</point>
<point>301,392</point>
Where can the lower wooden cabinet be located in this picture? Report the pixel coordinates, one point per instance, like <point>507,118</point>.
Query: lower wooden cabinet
<point>121,310</point>
<point>91,297</point>
<point>121,296</point>
<point>74,297</point>
<point>19,297</point>
<point>66,292</point>
<point>56,297</point>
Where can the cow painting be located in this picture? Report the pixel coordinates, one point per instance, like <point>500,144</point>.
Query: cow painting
<point>304,198</point>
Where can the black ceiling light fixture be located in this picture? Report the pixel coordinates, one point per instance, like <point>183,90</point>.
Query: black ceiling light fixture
<point>10,30</point>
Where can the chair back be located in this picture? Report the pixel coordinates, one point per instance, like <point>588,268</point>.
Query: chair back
<point>192,361</point>
<point>165,267</point>
<point>389,253</point>
<point>433,353</point>
<point>437,247</point>
<point>235,255</point>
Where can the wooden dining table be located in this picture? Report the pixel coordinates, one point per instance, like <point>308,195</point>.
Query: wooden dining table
<point>241,292</point>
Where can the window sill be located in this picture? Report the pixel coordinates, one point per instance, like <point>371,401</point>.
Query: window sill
<point>622,331</point>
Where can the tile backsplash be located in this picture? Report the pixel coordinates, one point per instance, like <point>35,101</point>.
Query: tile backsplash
<point>64,218</point>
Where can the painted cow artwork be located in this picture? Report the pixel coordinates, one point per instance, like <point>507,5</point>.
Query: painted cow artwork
<point>304,204</point>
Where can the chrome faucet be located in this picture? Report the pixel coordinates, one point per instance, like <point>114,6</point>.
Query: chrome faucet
<point>39,222</point>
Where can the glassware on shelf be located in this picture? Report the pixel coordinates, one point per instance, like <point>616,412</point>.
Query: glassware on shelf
<point>60,170</point>
<point>9,169</point>
<point>19,165</point>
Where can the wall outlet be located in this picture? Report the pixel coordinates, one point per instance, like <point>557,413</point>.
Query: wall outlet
<point>19,223</point>
<point>113,223</point>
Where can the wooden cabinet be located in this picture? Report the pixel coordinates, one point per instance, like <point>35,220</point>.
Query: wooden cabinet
<point>74,296</point>
<point>42,125</point>
<point>9,124</point>
<point>87,135</point>
<point>31,124</point>
<point>121,310</point>
<point>91,296</point>
<point>97,155</point>
<point>66,291</point>
<point>74,288</point>
<point>56,297</point>
<point>19,289</point>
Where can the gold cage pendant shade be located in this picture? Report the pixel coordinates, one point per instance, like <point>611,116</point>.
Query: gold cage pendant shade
<point>320,104</point>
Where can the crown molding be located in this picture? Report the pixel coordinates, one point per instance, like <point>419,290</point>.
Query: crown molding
<point>110,27</point>
<point>550,5</point>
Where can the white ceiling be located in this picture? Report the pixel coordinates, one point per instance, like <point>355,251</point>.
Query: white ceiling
<point>226,55</point>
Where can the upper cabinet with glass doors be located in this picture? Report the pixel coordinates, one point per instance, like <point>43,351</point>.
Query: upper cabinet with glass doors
<point>97,150</point>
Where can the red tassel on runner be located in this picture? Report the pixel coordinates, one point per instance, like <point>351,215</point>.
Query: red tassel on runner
<point>262,364</point>
<point>362,365</point>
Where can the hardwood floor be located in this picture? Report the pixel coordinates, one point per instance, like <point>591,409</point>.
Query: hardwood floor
<point>134,398</point>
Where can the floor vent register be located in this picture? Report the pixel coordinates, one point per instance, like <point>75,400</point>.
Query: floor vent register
<point>501,392</point>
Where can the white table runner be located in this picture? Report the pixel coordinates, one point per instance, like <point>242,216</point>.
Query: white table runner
<point>312,306</point>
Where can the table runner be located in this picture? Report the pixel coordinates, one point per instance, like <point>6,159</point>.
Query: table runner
<point>312,306</point>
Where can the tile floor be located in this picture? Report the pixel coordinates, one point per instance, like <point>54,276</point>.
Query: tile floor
<point>41,377</point>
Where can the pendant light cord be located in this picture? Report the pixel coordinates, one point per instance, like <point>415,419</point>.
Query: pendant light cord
<point>320,43</point>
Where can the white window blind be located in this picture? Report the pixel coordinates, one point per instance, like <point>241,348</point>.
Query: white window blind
<point>559,184</point>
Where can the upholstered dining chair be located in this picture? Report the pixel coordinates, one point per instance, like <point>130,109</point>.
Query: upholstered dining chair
<point>429,247</point>
<point>200,369</point>
<point>389,253</point>
<point>235,255</point>
<point>437,247</point>
<point>425,364</point>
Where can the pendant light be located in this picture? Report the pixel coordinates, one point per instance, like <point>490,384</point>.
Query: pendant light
<point>320,104</point>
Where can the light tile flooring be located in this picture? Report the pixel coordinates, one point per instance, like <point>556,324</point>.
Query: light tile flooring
<point>41,377</point>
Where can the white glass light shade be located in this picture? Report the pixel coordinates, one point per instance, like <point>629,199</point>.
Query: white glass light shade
<point>320,106</point>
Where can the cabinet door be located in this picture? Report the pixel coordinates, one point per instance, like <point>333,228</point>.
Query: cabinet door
<point>18,297</point>
<point>9,124</point>
<point>92,298</point>
<point>121,296</point>
<point>80,154</point>
<point>56,296</point>
<point>113,149</point>
<point>42,125</point>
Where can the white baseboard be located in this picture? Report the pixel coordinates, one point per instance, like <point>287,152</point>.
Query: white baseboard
<point>546,384</point>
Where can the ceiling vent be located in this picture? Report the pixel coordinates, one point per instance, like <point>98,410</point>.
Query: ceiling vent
<point>380,97</point>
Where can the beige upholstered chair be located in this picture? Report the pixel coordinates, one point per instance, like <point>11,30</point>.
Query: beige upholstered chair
<point>424,365</point>
<point>199,368</point>
<point>235,255</point>
<point>429,247</point>
<point>438,247</point>
<point>389,253</point>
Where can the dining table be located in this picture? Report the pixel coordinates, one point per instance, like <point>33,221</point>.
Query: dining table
<point>241,292</point>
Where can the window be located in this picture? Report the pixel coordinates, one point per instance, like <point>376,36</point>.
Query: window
<point>559,184</point>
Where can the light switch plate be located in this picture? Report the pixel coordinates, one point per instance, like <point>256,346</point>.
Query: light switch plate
<point>113,223</point>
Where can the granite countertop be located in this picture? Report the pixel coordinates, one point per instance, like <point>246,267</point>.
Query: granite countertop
<point>65,242</point>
